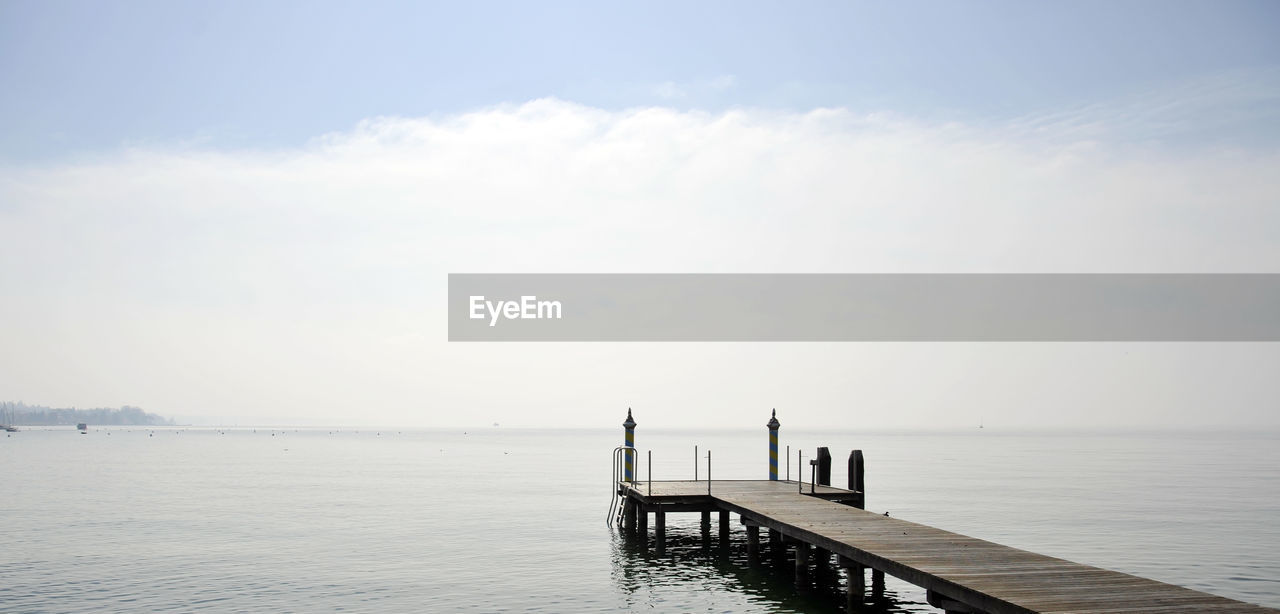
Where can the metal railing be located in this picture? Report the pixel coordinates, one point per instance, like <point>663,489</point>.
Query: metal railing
<point>620,477</point>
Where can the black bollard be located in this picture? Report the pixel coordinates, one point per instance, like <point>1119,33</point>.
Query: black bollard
<point>824,466</point>
<point>857,483</point>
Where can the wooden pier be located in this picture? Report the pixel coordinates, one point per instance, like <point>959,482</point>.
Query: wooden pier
<point>959,573</point>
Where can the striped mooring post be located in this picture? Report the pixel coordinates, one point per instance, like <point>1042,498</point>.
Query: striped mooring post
<point>629,440</point>
<point>773,445</point>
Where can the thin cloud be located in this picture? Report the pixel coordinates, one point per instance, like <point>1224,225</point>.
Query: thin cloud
<point>286,282</point>
<point>671,90</point>
<point>1230,107</point>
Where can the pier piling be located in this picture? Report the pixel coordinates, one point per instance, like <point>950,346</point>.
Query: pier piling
<point>821,561</point>
<point>856,586</point>
<point>629,517</point>
<point>660,531</point>
<point>802,564</point>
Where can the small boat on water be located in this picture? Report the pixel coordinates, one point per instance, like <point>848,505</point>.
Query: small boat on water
<point>82,427</point>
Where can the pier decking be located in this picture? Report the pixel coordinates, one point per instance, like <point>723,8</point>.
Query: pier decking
<point>960,573</point>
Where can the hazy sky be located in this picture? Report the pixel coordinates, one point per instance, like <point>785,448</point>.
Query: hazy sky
<point>246,212</point>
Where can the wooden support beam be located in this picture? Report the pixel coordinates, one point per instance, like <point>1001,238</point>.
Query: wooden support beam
<point>857,584</point>
<point>724,528</point>
<point>678,507</point>
<point>660,530</point>
<point>947,604</point>
<point>629,516</point>
<point>753,544</point>
<point>877,584</point>
<point>777,550</point>
<point>821,561</point>
<point>642,524</point>
<point>802,564</point>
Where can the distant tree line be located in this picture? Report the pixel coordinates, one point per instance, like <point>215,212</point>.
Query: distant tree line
<point>36,415</point>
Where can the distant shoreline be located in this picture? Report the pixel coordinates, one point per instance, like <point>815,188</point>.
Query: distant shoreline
<point>21,414</point>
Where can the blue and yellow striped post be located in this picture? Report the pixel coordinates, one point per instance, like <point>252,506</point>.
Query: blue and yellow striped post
<point>630,441</point>
<point>773,445</point>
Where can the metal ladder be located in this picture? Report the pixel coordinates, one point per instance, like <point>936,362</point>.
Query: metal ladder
<point>618,477</point>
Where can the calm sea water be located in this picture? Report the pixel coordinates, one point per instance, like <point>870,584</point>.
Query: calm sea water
<point>493,520</point>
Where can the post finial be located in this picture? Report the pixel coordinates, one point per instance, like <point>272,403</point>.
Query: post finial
<point>773,421</point>
<point>630,423</point>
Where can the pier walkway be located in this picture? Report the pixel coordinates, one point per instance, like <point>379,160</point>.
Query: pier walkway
<point>959,573</point>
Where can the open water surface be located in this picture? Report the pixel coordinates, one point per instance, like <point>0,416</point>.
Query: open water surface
<point>501,520</point>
